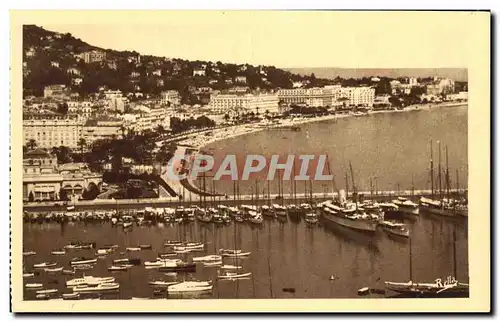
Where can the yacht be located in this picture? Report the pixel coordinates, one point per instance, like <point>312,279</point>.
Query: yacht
<point>406,206</point>
<point>98,288</point>
<point>347,215</point>
<point>279,210</point>
<point>190,287</point>
<point>395,228</point>
<point>89,280</point>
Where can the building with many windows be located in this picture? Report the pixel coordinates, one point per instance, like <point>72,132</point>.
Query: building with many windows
<point>50,131</point>
<point>329,96</point>
<point>57,92</point>
<point>171,96</point>
<point>101,129</point>
<point>93,56</point>
<point>224,103</point>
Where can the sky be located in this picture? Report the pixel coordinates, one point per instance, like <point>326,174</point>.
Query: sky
<point>285,38</point>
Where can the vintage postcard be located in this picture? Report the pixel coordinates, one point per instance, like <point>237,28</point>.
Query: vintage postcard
<point>250,161</point>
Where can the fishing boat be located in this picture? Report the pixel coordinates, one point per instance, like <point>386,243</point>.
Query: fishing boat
<point>178,267</point>
<point>212,263</point>
<point>233,276</point>
<point>82,261</point>
<point>406,206</point>
<point>49,291</point>
<point>190,287</point>
<point>54,270</point>
<point>237,255</point>
<point>98,288</point>
<point>208,258</point>
<point>255,217</point>
<point>89,280</point>
<point>83,267</point>
<point>71,296</point>
<point>26,275</point>
<point>279,210</point>
<point>436,207</point>
<point>117,268</point>
<point>162,283</point>
<point>45,265</point>
<point>395,228</point>
<point>33,285</point>
<point>58,252</point>
<point>230,267</point>
<point>311,218</point>
<point>29,253</point>
<point>166,255</point>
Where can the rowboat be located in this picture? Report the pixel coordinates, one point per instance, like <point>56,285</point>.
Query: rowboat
<point>166,255</point>
<point>45,265</point>
<point>99,288</point>
<point>212,264</point>
<point>82,261</point>
<point>33,285</point>
<point>49,291</point>
<point>68,272</point>
<point>232,276</point>
<point>28,274</point>
<point>29,253</point>
<point>117,268</point>
<point>54,270</point>
<point>208,258</point>
<point>133,249</point>
<point>83,267</point>
<point>145,246</point>
<point>58,252</point>
<point>230,267</point>
<point>71,296</point>
<point>162,283</point>
<point>236,255</point>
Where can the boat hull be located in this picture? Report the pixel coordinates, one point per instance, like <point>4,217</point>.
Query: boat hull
<point>361,225</point>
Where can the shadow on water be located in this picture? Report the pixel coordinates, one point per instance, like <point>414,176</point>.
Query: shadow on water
<point>348,235</point>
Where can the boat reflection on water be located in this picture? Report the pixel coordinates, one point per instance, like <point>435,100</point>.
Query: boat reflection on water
<point>351,236</point>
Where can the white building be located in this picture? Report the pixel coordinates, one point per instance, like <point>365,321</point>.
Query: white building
<point>150,119</point>
<point>171,96</point>
<point>461,96</point>
<point>82,109</point>
<point>52,131</point>
<point>240,79</point>
<point>224,103</point>
<point>199,72</point>
<point>332,96</point>
<point>101,129</point>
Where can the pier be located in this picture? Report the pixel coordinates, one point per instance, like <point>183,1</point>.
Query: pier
<point>229,200</point>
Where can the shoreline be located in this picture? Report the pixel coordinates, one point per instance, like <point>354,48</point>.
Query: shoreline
<point>243,129</point>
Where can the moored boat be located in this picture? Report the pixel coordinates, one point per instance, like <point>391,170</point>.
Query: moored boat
<point>82,261</point>
<point>71,296</point>
<point>117,268</point>
<point>89,280</point>
<point>54,270</point>
<point>208,258</point>
<point>190,287</point>
<point>233,276</point>
<point>45,265</point>
<point>162,283</point>
<point>58,252</point>
<point>98,288</point>
<point>49,291</point>
<point>26,275</point>
<point>395,228</point>
<point>33,285</point>
<point>406,206</point>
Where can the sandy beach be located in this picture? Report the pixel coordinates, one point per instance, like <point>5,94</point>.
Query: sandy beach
<point>199,140</point>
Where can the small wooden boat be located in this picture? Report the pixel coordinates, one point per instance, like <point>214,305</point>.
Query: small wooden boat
<point>33,285</point>
<point>162,283</point>
<point>190,287</point>
<point>45,265</point>
<point>166,255</point>
<point>239,255</point>
<point>230,267</point>
<point>363,291</point>
<point>58,252</point>
<point>212,264</point>
<point>145,247</point>
<point>71,296</point>
<point>82,261</point>
<point>68,272</point>
<point>114,246</point>
<point>42,296</point>
<point>208,258</point>
<point>171,243</point>
<point>49,291</point>
<point>114,268</point>
<point>26,275</point>
<point>83,267</point>
<point>54,270</point>
<point>89,280</point>
<point>184,267</point>
<point>133,249</point>
<point>232,276</point>
<point>29,253</point>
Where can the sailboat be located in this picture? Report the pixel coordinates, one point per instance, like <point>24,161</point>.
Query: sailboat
<point>449,288</point>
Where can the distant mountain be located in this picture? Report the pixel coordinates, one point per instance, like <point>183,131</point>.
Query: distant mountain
<point>457,74</point>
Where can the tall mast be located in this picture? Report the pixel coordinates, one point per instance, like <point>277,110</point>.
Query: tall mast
<point>346,185</point>
<point>411,268</point>
<point>310,192</point>
<point>454,253</point>
<point>257,193</point>
<point>447,175</point>
<point>432,173</point>
<point>234,195</point>
<point>268,193</point>
<point>412,186</point>
<point>294,183</point>
<point>458,186</point>
<point>334,186</point>
<point>354,190</point>
<point>439,172</point>
<point>371,187</point>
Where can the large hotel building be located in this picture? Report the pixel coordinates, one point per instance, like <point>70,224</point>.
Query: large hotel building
<point>329,96</point>
<point>52,131</point>
<point>251,102</point>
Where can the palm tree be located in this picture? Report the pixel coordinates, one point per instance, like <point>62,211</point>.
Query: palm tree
<point>55,151</point>
<point>82,144</point>
<point>31,144</point>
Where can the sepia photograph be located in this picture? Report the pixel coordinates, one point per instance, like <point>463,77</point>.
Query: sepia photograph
<point>251,156</point>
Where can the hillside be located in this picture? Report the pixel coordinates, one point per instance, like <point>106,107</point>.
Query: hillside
<point>457,74</point>
<point>53,58</point>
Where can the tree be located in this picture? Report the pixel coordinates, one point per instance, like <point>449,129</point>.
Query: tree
<point>31,197</point>
<point>82,144</point>
<point>91,192</point>
<point>31,144</point>
<point>62,108</point>
<point>63,195</point>
<point>226,117</point>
